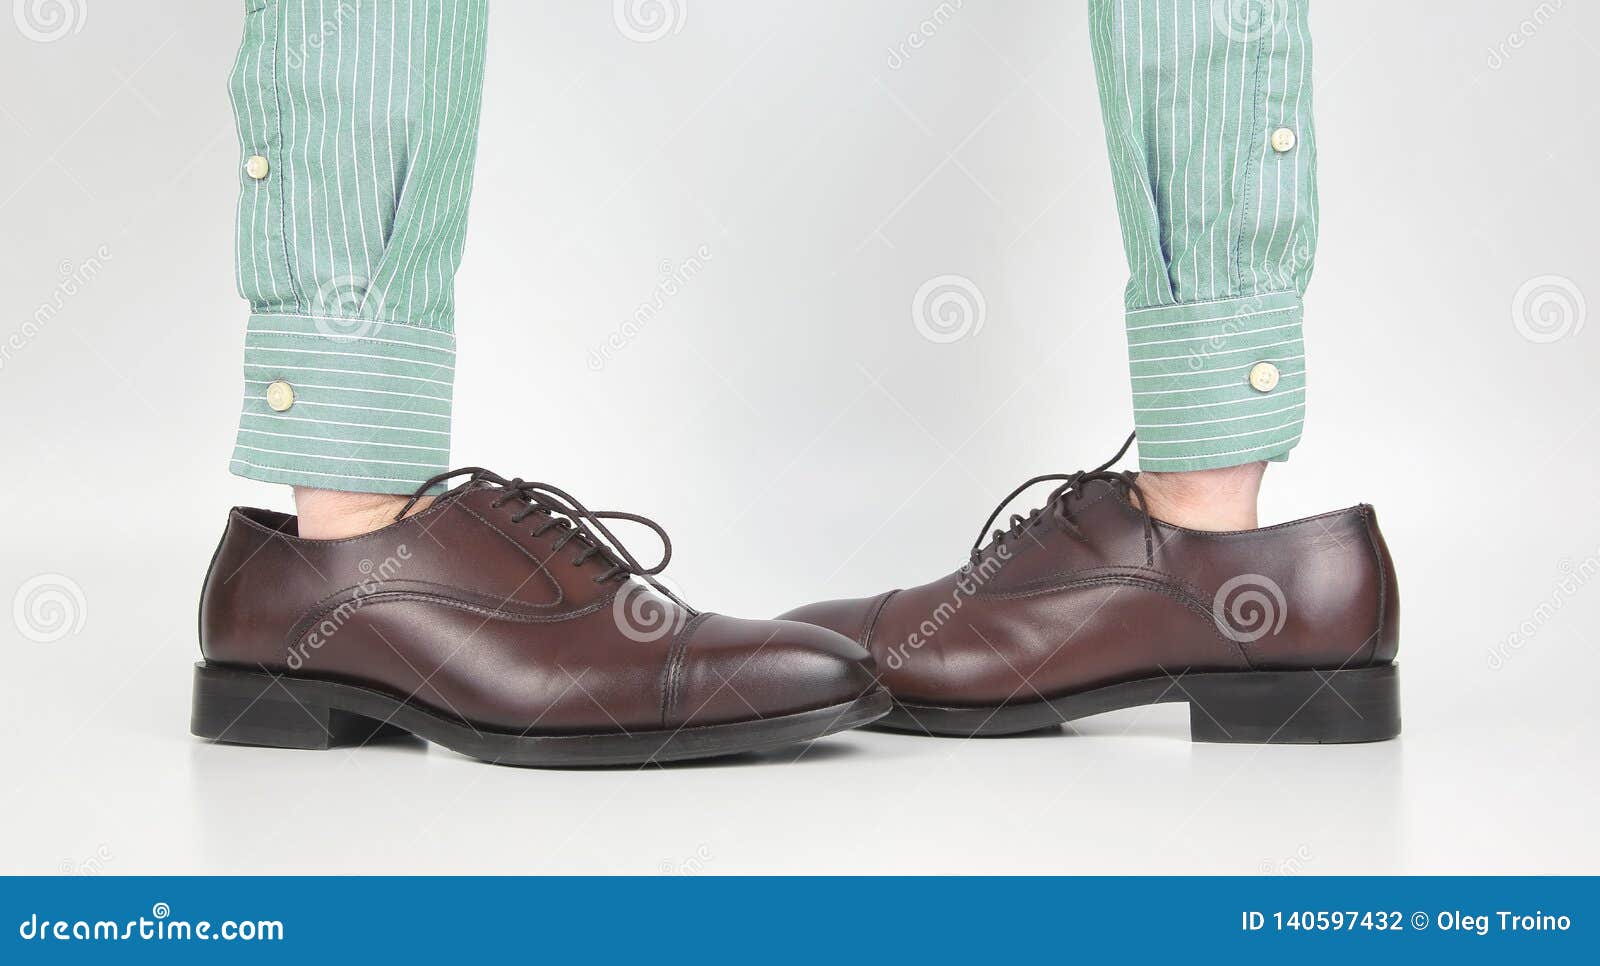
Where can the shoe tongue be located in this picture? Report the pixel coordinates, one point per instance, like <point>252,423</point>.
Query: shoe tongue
<point>1096,489</point>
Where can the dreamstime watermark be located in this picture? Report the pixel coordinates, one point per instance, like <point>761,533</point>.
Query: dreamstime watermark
<point>1279,278</point>
<point>669,284</point>
<point>900,54</point>
<point>646,21</point>
<point>373,577</point>
<point>1574,577</point>
<point>337,305</point>
<point>948,308</point>
<point>75,278</point>
<point>46,21</point>
<point>49,608</point>
<point>1548,308</point>
<point>1293,865</point>
<point>1249,607</point>
<point>643,615</point>
<point>317,38</point>
<point>1500,54</point>
<point>1243,21</point>
<point>968,582</point>
<point>94,864</point>
<point>692,865</point>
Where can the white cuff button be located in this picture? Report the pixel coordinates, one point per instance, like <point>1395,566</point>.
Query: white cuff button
<point>1263,377</point>
<point>280,396</point>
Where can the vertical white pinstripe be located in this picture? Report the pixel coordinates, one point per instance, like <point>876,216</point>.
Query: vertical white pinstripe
<point>234,84</point>
<point>372,148</point>
<point>391,267</point>
<point>388,111</point>
<point>1306,144</point>
<point>1265,152</point>
<point>314,173</point>
<point>252,187</point>
<point>388,115</point>
<point>341,269</point>
<point>1235,274</point>
<point>328,176</point>
<point>291,171</point>
<point>466,155</point>
<point>1277,183</point>
<point>416,169</point>
<point>430,252</point>
<point>1136,131</point>
<point>1163,210</point>
<point>400,191</point>
<point>1188,153</point>
<point>1098,44</point>
<point>423,173</point>
<point>356,157</point>
<point>1206,208</point>
<point>460,165</point>
<point>267,238</point>
<point>1223,201</point>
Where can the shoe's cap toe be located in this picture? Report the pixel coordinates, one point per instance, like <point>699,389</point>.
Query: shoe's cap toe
<point>849,617</point>
<point>739,670</point>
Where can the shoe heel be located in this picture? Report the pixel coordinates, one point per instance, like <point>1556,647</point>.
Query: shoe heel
<point>1295,707</point>
<point>252,708</point>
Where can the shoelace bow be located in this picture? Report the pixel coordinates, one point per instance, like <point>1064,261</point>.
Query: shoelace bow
<point>1059,505</point>
<point>561,510</point>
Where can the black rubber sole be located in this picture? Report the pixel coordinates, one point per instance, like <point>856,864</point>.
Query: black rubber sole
<point>1274,707</point>
<point>243,707</point>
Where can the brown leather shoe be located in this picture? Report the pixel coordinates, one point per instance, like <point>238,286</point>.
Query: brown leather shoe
<point>1281,634</point>
<point>503,622</point>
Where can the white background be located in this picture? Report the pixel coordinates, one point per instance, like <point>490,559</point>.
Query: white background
<point>785,420</point>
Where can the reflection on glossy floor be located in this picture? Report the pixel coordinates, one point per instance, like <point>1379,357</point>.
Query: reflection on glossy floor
<point>128,791</point>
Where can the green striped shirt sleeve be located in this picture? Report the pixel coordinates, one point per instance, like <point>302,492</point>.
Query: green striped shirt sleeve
<point>1207,110</point>
<point>357,128</point>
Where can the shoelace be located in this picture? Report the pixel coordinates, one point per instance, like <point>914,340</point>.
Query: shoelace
<point>561,510</point>
<point>1059,505</point>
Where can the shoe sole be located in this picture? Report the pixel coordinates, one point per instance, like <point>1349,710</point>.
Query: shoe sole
<point>236,706</point>
<point>1264,707</point>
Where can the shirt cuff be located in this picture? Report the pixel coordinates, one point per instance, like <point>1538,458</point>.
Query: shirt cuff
<point>344,404</point>
<point>1217,383</point>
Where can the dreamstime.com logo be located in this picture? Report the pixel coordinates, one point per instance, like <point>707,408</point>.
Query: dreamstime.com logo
<point>646,21</point>
<point>1548,308</point>
<point>44,21</point>
<point>160,927</point>
<point>338,303</point>
<point>49,608</point>
<point>948,308</point>
<point>1249,607</point>
<point>644,616</point>
<point>1243,21</point>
